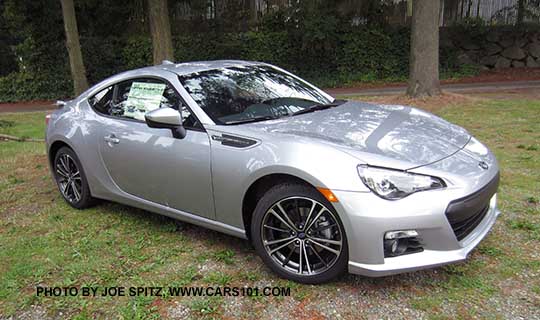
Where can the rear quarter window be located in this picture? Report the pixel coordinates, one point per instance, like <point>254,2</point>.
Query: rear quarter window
<point>102,100</point>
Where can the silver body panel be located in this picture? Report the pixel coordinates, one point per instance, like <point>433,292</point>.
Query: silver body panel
<point>202,181</point>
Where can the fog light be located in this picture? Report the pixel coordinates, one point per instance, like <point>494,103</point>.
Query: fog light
<point>394,248</point>
<point>393,245</point>
<point>400,234</point>
<point>401,242</point>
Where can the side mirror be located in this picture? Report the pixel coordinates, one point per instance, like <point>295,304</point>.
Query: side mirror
<point>60,103</point>
<point>166,118</point>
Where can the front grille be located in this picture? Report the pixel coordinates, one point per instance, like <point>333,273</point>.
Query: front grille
<point>465,214</point>
<point>463,228</point>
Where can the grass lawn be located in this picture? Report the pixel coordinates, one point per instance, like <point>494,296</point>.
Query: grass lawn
<point>44,242</point>
<point>23,125</point>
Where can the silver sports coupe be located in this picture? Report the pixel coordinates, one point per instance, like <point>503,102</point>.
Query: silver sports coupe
<point>318,185</point>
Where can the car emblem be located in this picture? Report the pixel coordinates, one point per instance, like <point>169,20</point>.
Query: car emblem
<point>483,165</point>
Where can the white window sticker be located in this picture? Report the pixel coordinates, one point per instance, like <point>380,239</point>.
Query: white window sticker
<point>142,98</point>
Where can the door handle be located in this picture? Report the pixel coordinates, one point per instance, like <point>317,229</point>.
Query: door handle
<point>111,139</point>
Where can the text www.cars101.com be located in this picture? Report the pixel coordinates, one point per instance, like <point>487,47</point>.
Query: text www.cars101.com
<point>209,291</point>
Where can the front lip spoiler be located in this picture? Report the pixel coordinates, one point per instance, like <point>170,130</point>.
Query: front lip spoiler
<point>428,258</point>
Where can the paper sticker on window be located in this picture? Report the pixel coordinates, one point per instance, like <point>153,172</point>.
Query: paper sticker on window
<point>142,98</point>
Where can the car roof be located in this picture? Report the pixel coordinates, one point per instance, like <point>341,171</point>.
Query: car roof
<point>185,68</point>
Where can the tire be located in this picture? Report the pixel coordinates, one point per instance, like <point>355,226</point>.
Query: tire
<point>269,233</point>
<point>65,167</point>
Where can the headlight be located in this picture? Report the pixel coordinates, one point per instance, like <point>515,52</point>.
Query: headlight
<point>395,184</point>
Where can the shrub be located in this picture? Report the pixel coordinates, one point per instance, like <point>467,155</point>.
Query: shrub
<point>34,86</point>
<point>343,56</point>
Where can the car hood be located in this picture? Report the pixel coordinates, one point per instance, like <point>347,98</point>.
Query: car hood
<point>361,129</point>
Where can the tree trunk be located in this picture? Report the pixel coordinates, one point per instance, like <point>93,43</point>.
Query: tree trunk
<point>73,45</point>
<point>424,59</point>
<point>160,29</point>
<point>521,12</point>
<point>441,14</point>
<point>253,13</point>
<point>469,9</point>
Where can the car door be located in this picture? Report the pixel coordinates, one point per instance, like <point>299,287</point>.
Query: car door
<point>150,163</point>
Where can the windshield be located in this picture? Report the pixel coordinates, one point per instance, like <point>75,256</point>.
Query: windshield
<point>239,94</point>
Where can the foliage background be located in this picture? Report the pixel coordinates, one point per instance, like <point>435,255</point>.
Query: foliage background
<point>318,40</point>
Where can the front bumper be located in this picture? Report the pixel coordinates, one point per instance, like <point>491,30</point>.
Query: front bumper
<point>428,258</point>
<point>367,218</point>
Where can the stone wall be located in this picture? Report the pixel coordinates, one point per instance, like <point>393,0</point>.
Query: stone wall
<point>494,48</point>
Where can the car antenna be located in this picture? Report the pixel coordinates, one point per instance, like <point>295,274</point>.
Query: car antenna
<point>167,62</point>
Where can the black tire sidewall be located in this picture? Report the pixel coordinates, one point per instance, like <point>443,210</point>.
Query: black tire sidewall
<point>86,198</point>
<point>276,194</point>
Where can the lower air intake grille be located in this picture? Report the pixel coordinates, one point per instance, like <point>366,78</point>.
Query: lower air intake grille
<point>465,214</point>
<point>463,228</point>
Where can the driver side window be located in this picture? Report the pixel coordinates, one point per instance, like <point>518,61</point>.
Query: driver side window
<point>132,99</point>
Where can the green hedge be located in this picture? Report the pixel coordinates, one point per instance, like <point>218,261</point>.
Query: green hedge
<point>34,86</point>
<point>362,55</point>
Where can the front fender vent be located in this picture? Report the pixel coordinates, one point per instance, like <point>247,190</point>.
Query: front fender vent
<point>233,141</point>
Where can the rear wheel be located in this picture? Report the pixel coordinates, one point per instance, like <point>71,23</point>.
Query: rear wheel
<point>298,234</point>
<point>71,180</point>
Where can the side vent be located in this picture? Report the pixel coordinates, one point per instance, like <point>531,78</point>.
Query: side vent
<point>233,141</point>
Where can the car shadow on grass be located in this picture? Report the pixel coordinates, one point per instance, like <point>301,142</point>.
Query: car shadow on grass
<point>243,248</point>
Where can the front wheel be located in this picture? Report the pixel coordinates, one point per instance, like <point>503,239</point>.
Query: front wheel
<point>71,179</point>
<point>299,235</point>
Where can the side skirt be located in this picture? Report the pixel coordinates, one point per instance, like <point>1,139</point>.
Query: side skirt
<point>136,202</point>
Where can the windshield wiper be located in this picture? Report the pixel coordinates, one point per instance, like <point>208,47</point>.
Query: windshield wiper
<point>256,119</point>
<point>315,107</point>
<point>319,106</point>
